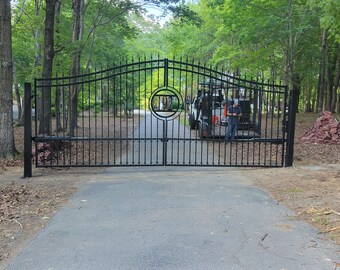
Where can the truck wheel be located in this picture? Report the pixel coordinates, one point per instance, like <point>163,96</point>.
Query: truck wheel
<point>192,121</point>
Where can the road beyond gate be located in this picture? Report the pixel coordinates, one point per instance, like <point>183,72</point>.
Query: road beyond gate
<point>175,218</point>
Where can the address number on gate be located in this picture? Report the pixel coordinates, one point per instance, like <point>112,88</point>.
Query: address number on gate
<point>166,103</point>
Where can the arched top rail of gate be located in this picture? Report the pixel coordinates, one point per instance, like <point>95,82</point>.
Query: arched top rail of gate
<point>219,75</point>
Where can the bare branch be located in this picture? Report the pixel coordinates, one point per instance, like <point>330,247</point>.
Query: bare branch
<point>101,23</point>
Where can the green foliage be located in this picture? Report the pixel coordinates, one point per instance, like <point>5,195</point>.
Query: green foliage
<point>25,35</point>
<point>257,37</point>
<point>329,12</point>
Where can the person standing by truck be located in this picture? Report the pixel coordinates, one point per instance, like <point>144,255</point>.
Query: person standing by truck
<point>234,112</point>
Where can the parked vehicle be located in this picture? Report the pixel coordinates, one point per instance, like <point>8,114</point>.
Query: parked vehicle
<point>207,112</point>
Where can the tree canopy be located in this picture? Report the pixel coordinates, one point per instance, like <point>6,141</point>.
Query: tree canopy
<point>296,42</point>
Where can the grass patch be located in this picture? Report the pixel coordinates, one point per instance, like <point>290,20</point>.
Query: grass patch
<point>293,190</point>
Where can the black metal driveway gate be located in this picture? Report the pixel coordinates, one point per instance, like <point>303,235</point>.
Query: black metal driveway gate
<point>137,113</point>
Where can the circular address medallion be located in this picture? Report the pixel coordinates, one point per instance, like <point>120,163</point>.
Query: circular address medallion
<point>166,102</point>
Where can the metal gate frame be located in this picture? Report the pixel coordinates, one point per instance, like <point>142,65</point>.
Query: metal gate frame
<point>174,79</point>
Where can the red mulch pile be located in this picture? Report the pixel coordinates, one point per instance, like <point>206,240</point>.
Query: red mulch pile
<point>326,130</point>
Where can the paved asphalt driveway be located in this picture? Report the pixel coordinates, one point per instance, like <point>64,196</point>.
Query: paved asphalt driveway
<point>175,218</point>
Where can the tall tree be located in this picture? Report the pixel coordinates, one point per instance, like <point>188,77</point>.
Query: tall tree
<point>329,73</point>
<point>78,7</point>
<point>45,125</point>
<point>7,148</point>
<point>27,23</point>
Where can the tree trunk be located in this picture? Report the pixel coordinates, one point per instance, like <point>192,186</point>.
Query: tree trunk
<point>7,148</point>
<point>59,127</point>
<point>322,72</point>
<point>45,124</point>
<point>18,99</point>
<point>289,50</point>
<point>37,58</point>
<point>332,59</point>
<point>290,47</point>
<point>78,8</point>
<point>308,105</point>
<point>335,97</point>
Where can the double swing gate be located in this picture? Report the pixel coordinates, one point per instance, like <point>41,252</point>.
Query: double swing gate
<point>157,112</point>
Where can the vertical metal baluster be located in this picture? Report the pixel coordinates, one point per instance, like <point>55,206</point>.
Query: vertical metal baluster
<point>246,90</point>
<point>268,147</point>
<point>140,107</point>
<point>212,123</point>
<point>160,123</point>
<point>231,144</point>
<point>219,116</point>
<point>277,137</point>
<point>229,78</point>
<point>63,120</point>
<point>185,109</point>
<point>83,123</point>
<point>133,113</point>
<point>151,120</point>
<point>95,117</point>
<point>284,117</point>
<point>251,114</point>
<point>269,125</point>
<point>272,107</point>
<point>145,111</point>
<point>173,121</point>
<point>126,112</point>
<point>76,135</point>
<point>165,144</point>
<point>276,120</point>
<point>42,118</point>
<point>59,143</point>
<point>191,99</point>
<point>280,125</point>
<point>159,145</point>
<point>280,133</point>
<point>102,117</point>
<point>172,140</point>
<point>209,117</point>
<point>180,141</point>
<point>69,119</point>
<point>273,123</point>
<point>199,141</point>
<point>89,110</point>
<point>100,139</point>
<point>36,107</point>
<point>277,126</point>
<point>68,83</point>
<point>108,119</point>
<point>120,112</point>
<point>264,91</point>
<point>114,92</point>
<point>258,110</point>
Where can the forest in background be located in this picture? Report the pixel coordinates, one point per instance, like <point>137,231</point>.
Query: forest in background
<point>296,42</point>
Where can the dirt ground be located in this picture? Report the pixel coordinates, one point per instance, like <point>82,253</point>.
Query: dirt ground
<point>311,188</point>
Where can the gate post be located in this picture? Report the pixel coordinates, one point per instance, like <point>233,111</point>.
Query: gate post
<point>292,110</point>
<point>28,131</point>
